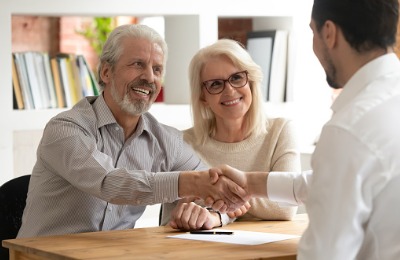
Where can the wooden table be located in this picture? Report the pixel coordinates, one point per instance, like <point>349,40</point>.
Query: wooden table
<point>152,243</point>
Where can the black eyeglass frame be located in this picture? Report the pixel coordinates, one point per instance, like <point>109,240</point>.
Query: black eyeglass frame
<point>226,80</point>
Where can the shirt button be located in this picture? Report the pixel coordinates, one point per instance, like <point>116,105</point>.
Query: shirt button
<point>116,128</point>
<point>109,208</point>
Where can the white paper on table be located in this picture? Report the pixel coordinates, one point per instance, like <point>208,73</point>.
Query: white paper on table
<point>239,237</point>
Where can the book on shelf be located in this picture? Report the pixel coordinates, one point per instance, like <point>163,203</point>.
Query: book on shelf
<point>93,80</point>
<point>76,78</point>
<point>18,100</point>
<point>279,67</point>
<point>73,87</point>
<point>60,95</point>
<point>49,80</point>
<point>74,73</point>
<point>23,80</point>
<point>269,50</point>
<point>259,46</point>
<point>89,82</point>
<point>41,82</point>
<point>37,89</point>
<point>15,102</point>
<point>47,100</point>
<point>289,93</point>
<point>63,69</point>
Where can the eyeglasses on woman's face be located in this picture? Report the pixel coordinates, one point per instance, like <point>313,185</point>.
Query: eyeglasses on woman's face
<point>236,80</point>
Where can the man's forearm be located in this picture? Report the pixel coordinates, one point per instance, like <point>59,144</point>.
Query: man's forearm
<point>187,183</point>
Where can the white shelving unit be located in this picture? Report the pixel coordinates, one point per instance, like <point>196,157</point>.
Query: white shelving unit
<point>189,25</point>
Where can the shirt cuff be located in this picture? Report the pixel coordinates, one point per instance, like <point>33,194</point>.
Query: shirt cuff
<point>280,188</point>
<point>225,219</point>
<point>166,187</point>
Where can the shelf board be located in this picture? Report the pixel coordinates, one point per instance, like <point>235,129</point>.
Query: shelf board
<point>156,7</point>
<point>32,119</point>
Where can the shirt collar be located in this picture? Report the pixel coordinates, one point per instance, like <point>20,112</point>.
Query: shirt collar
<point>103,112</point>
<point>382,65</point>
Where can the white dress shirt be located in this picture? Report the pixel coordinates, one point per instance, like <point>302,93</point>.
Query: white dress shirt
<point>353,199</point>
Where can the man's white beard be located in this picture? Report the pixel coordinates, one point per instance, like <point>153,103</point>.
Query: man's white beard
<point>134,107</point>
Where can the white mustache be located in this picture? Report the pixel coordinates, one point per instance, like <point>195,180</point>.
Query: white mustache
<point>143,83</point>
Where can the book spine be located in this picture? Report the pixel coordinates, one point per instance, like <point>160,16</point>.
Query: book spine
<point>57,83</point>
<point>62,63</point>
<point>49,79</point>
<point>41,79</point>
<point>23,79</point>
<point>33,80</point>
<point>16,86</point>
<point>93,80</point>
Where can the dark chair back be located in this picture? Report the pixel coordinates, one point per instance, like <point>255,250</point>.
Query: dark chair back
<point>12,203</point>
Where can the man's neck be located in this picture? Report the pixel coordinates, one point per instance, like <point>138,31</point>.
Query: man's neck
<point>358,60</point>
<point>127,121</point>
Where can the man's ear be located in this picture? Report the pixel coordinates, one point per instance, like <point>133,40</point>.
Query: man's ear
<point>330,34</point>
<point>105,73</point>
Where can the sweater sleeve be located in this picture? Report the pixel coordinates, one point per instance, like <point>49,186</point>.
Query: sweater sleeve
<point>282,140</point>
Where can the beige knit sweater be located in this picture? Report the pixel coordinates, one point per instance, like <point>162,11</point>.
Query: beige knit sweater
<point>274,151</point>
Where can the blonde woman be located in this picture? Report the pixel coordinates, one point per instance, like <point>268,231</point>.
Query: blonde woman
<point>230,127</point>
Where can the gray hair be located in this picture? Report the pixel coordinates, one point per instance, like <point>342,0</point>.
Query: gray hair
<point>112,48</point>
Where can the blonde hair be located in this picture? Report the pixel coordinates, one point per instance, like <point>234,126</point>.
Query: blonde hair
<point>203,117</point>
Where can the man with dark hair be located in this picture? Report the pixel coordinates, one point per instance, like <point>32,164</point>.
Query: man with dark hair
<point>352,196</point>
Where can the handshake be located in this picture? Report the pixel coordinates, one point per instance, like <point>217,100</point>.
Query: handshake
<point>223,188</point>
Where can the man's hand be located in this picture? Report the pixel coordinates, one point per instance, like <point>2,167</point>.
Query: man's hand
<point>188,215</point>
<point>216,175</point>
<point>234,174</point>
<point>230,195</point>
<point>254,184</point>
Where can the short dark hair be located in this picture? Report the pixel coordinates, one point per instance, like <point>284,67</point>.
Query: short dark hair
<point>366,24</point>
